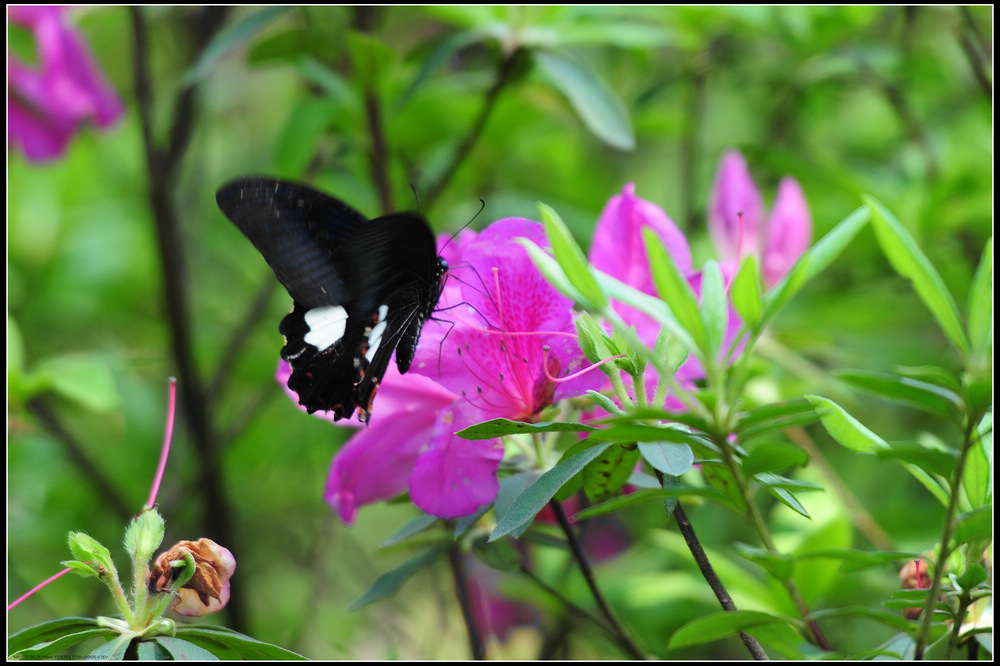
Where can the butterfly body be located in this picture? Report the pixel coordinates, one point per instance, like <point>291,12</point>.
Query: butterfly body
<point>361,288</point>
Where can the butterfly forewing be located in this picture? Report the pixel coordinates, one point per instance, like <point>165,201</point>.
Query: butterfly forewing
<point>301,233</point>
<point>362,289</point>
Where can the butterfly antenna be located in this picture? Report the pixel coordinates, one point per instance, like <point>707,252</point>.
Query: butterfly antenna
<point>482,206</point>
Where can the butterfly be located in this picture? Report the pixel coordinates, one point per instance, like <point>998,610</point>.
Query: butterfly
<point>361,288</point>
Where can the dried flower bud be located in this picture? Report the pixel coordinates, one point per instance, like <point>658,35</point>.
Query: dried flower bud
<point>208,589</point>
<point>914,576</point>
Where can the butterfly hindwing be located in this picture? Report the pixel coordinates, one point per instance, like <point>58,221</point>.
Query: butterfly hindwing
<point>362,289</point>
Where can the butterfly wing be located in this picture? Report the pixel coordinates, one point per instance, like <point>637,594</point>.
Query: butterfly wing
<point>301,233</point>
<point>361,289</point>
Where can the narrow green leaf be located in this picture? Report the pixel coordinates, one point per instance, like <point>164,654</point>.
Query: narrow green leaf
<point>538,494</point>
<point>307,122</point>
<point>774,457</point>
<point>228,40</point>
<point>153,651</point>
<point>977,480</point>
<point>670,458</point>
<point>371,58</point>
<point>845,429</point>
<point>789,500</point>
<point>500,427</point>
<point>886,617</point>
<point>216,639</point>
<point>650,305</point>
<point>814,261</point>
<point>512,486</point>
<point>601,110</point>
<point>675,290</point>
<point>776,416</point>
<point>981,308</point>
<point>606,474</point>
<point>719,478</point>
<point>52,648</point>
<point>922,395</point>
<point>415,526</point>
<point>113,650</point>
<point>48,631</point>
<point>936,488</point>
<point>718,625</point>
<point>634,432</point>
<point>182,650</point>
<point>553,273</point>
<point>714,308</point>
<point>745,292</point>
<point>390,582</point>
<point>909,261</point>
<point>779,565</point>
<point>501,555</point>
<point>931,460</point>
<point>571,258</point>
<point>857,560</point>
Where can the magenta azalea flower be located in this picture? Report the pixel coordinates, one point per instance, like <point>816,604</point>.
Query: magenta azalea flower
<point>471,368</point>
<point>47,106</point>
<point>779,241</point>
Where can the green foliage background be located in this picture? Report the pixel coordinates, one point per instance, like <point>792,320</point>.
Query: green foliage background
<point>895,102</point>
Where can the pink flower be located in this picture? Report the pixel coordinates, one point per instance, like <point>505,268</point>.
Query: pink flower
<point>493,613</point>
<point>46,106</point>
<point>778,241</point>
<point>471,365</point>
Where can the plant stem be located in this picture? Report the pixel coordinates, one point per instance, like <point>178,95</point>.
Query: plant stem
<point>757,521</point>
<point>708,573</point>
<point>927,615</point>
<point>476,647</point>
<point>581,560</point>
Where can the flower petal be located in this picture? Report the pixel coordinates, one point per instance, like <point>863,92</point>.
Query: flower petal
<point>789,231</point>
<point>735,192</point>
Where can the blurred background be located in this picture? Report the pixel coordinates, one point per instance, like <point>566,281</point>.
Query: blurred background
<point>122,272</point>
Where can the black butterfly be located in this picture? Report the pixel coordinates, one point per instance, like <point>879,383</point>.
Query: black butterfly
<point>361,288</point>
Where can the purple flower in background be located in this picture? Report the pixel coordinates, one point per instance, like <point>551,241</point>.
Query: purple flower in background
<point>474,367</point>
<point>47,105</point>
<point>778,241</point>
<point>493,613</point>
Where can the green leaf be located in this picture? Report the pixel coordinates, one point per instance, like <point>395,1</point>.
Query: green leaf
<point>745,292</point>
<point>152,651</point>
<point>236,645</point>
<point>718,625</point>
<point>390,582</point>
<point>551,270</point>
<point>675,290</point>
<point>307,122</point>
<point>670,458</point>
<point>501,554</point>
<point>979,465</point>
<point>113,650</point>
<point>601,110</point>
<point>229,40</point>
<point>571,258</point>
<point>44,649</point>
<point>83,378</point>
<point>886,617</point>
<point>922,395</point>
<point>909,261</point>
<point>776,416</point>
<point>605,403</point>
<point>975,524</point>
<point>501,427</point>
<point>626,433</point>
<point>606,474</point>
<point>856,560</point>
<point>511,487</point>
<point>371,58</point>
<point>981,308</point>
<point>650,305</point>
<point>774,457</point>
<point>814,261</point>
<point>418,524</point>
<point>644,495</point>
<point>789,500</point>
<point>845,429</point>
<point>537,495</point>
<point>88,549</point>
<point>714,308</point>
<point>779,565</point>
<point>931,460</point>
<point>719,478</point>
<point>48,631</point>
<point>144,534</point>
<point>182,650</point>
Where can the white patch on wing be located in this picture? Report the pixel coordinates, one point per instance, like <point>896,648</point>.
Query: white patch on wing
<point>375,335</point>
<point>326,326</point>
